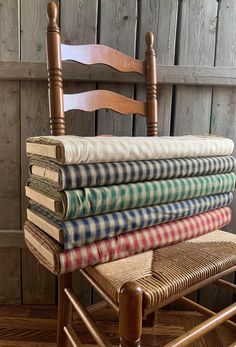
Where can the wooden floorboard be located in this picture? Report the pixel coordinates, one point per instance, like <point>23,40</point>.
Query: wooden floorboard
<point>35,326</point>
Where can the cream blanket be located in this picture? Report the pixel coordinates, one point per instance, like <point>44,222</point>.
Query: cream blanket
<point>76,150</point>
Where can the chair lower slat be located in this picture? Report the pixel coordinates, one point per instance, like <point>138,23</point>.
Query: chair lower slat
<point>203,328</point>
<point>100,291</point>
<point>226,285</point>
<point>73,338</point>
<point>98,336</point>
<point>205,311</point>
<point>93,308</point>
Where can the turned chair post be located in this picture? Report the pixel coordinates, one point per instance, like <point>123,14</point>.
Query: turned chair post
<point>130,315</point>
<point>54,66</point>
<point>57,126</point>
<point>151,86</point>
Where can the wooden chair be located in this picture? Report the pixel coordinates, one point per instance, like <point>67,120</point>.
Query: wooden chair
<point>132,303</point>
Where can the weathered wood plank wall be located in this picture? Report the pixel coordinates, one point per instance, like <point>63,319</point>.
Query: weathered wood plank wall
<point>198,33</point>
<point>10,273</point>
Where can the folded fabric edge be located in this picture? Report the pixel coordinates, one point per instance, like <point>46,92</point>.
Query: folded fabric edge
<point>46,147</point>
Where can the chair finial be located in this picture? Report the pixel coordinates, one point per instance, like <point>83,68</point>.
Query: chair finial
<point>149,39</point>
<point>52,12</point>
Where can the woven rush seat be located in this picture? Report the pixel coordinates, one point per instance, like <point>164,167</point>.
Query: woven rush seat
<point>164,272</point>
<point>161,273</point>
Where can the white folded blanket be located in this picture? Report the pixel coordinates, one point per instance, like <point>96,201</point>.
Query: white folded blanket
<point>76,150</point>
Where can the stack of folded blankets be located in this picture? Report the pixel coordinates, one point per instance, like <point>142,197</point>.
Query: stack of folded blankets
<point>103,198</point>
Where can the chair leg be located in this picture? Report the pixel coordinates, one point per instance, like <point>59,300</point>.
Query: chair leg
<point>130,315</point>
<point>150,320</point>
<point>64,309</point>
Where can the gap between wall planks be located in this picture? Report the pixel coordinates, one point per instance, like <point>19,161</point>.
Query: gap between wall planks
<point>10,273</point>
<point>79,26</point>
<point>34,109</point>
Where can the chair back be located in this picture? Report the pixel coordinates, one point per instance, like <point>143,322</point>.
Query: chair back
<point>93,100</point>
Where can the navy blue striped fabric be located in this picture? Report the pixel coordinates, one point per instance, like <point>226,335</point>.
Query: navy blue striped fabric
<point>79,232</point>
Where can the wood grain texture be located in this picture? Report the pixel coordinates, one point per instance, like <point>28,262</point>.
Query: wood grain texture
<point>38,285</point>
<point>118,30</point>
<point>79,26</point>
<point>12,238</point>
<point>160,17</point>
<point>9,155</point>
<point>10,273</point>
<point>223,118</point>
<point>10,288</point>
<point>196,46</point>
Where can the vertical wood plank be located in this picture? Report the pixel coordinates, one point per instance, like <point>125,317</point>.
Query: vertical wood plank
<point>223,118</point>
<point>118,30</point>
<point>10,287</point>
<point>38,284</point>
<point>79,26</point>
<point>10,273</point>
<point>196,46</point>
<point>160,17</point>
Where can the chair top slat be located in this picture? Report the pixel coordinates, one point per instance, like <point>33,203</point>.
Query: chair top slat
<point>100,54</point>
<point>99,99</point>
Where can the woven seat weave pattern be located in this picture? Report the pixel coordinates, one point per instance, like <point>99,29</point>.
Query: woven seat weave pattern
<point>161,273</point>
<point>164,272</point>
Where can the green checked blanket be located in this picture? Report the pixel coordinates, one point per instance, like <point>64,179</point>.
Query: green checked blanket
<point>98,200</point>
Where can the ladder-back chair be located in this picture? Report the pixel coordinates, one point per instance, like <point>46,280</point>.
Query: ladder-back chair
<point>131,304</point>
